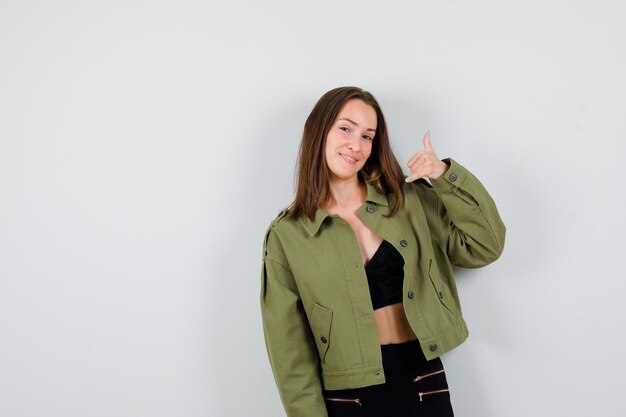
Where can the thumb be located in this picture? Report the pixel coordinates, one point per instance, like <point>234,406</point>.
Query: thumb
<point>427,145</point>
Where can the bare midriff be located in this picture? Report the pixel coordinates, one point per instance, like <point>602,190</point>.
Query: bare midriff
<point>392,324</point>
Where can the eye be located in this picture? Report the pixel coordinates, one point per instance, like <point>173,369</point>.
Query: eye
<point>368,138</point>
<point>343,127</point>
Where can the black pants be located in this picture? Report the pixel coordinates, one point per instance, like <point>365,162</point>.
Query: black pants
<point>413,387</point>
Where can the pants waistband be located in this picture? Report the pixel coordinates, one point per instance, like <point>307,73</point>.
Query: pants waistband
<point>403,361</point>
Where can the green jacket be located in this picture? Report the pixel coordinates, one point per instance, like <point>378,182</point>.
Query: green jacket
<point>316,309</point>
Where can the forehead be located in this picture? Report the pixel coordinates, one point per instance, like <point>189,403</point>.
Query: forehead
<point>360,112</point>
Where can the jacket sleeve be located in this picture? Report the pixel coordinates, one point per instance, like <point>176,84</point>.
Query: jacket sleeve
<point>470,225</point>
<point>289,341</point>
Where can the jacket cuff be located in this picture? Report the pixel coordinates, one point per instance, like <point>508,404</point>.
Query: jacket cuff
<point>454,177</point>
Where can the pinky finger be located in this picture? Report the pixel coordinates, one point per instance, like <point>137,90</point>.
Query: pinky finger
<point>411,178</point>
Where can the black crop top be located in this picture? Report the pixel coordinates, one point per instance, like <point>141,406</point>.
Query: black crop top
<point>385,273</point>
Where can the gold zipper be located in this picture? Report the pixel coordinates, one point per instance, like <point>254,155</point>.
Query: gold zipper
<point>421,394</point>
<point>352,400</point>
<point>427,375</point>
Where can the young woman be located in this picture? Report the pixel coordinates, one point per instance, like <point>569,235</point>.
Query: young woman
<point>358,297</point>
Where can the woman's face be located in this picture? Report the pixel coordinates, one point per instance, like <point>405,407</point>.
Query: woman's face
<point>349,141</point>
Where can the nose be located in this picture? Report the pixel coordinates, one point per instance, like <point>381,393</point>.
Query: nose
<point>354,144</point>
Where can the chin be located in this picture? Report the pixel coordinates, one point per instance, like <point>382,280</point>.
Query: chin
<point>345,175</point>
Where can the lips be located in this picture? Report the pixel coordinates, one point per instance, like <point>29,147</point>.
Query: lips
<point>348,159</point>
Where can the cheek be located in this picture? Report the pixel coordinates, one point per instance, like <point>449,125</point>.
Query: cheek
<point>333,146</point>
<point>335,139</point>
<point>367,151</point>
<point>331,143</point>
<point>328,151</point>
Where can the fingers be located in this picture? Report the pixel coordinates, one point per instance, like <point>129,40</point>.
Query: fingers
<point>413,177</point>
<point>427,145</point>
<point>418,168</point>
<point>414,158</point>
<point>427,148</point>
<point>421,164</point>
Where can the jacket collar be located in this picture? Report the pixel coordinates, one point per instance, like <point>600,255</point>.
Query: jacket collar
<point>312,227</point>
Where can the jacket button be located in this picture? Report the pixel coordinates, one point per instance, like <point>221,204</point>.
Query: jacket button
<point>404,243</point>
<point>440,295</point>
<point>323,339</point>
<point>411,294</point>
<point>370,208</point>
<point>433,347</point>
<point>452,177</point>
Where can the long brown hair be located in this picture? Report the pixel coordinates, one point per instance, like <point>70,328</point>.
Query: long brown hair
<point>381,170</point>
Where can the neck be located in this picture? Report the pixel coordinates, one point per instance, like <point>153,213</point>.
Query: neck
<point>346,194</point>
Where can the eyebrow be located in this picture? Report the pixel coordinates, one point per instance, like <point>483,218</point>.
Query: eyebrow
<point>354,123</point>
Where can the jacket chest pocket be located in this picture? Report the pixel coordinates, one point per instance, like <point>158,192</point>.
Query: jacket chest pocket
<point>321,324</point>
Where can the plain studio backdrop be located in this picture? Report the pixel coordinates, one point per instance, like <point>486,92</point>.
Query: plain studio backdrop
<point>146,145</point>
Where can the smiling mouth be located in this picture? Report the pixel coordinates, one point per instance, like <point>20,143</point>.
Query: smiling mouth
<point>348,159</point>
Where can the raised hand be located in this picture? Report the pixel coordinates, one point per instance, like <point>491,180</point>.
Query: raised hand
<point>426,163</point>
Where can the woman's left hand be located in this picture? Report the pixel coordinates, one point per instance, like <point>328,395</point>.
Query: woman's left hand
<point>426,163</point>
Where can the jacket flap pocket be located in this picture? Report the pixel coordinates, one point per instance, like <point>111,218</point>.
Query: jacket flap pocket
<point>321,323</point>
<point>442,291</point>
